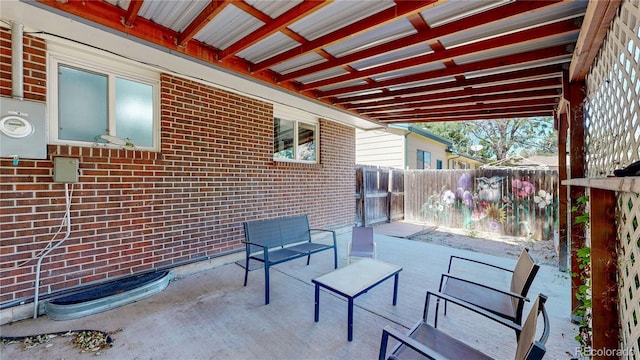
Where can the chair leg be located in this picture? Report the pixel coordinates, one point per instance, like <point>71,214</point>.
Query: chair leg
<point>308,259</point>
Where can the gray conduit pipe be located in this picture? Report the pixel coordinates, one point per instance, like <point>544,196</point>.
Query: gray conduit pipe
<point>67,218</point>
<point>17,66</point>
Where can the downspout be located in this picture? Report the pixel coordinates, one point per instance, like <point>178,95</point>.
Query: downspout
<point>17,65</point>
<point>406,150</point>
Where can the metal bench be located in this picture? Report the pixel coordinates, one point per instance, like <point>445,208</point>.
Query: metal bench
<point>278,240</point>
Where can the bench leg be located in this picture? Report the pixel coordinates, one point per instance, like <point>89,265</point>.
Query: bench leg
<point>308,259</point>
<point>335,257</point>
<point>246,271</point>
<point>266,283</point>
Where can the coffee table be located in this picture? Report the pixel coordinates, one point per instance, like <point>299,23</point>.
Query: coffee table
<point>354,280</point>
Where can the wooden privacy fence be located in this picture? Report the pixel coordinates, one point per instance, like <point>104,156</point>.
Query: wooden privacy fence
<point>504,201</point>
<point>379,195</point>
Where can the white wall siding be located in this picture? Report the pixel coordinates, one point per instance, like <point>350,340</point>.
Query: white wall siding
<point>379,148</point>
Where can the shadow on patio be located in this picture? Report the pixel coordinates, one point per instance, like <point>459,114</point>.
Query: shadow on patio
<point>210,315</point>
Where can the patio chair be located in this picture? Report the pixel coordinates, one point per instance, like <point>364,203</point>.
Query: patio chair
<point>361,244</point>
<point>506,303</point>
<point>425,341</point>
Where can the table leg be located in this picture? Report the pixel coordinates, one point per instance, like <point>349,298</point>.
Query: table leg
<point>350,320</point>
<point>395,288</point>
<point>317,306</point>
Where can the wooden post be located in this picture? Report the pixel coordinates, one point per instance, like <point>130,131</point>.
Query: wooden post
<point>604,289</point>
<point>563,210</point>
<point>576,154</point>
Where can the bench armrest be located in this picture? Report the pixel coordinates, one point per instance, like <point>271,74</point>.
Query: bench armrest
<point>508,293</point>
<point>477,262</point>
<point>333,233</point>
<point>471,307</point>
<point>255,244</point>
<point>406,340</point>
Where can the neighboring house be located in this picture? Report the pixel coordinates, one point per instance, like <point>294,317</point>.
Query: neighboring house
<point>403,146</point>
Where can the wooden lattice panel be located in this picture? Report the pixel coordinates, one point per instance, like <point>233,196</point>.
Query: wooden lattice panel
<point>629,272</point>
<point>612,109</point>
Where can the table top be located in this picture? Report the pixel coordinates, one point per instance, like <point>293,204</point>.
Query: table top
<point>358,276</point>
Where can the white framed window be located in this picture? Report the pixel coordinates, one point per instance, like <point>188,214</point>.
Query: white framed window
<point>105,102</point>
<point>295,136</point>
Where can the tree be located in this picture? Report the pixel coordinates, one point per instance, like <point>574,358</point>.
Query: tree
<point>451,130</point>
<point>500,138</point>
<point>504,137</point>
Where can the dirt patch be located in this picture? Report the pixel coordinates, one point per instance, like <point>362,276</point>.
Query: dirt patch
<point>542,251</point>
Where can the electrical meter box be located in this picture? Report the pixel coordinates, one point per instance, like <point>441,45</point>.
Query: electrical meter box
<point>22,129</point>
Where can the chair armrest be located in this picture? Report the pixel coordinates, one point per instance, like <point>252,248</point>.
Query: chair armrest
<point>471,307</point>
<point>406,340</point>
<point>475,261</point>
<point>508,293</point>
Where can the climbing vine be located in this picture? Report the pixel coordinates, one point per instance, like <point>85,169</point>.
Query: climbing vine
<point>583,294</point>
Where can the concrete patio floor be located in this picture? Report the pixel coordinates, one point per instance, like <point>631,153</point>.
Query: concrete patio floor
<point>210,315</point>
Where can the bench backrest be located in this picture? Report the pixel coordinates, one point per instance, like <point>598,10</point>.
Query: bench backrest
<point>277,232</point>
<point>294,229</point>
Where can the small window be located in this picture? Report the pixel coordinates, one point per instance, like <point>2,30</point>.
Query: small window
<point>90,101</point>
<point>424,159</point>
<point>438,164</point>
<point>295,140</point>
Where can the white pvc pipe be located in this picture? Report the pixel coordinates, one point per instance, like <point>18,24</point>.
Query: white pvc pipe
<point>17,64</point>
<point>67,218</point>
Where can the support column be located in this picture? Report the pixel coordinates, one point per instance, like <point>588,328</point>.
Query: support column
<point>577,157</point>
<point>563,209</point>
<point>604,261</point>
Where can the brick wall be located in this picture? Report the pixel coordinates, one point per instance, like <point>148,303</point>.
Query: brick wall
<point>137,210</point>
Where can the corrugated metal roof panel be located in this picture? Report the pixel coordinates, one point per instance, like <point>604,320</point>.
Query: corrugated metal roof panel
<point>273,8</point>
<point>122,4</point>
<point>402,54</point>
<point>346,84</point>
<point>231,25</point>
<point>268,47</point>
<point>336,15</point>
<point>520,23</point>
<point>298,63</point>
<point>516,49</point>
<point>175,15</point>
<point>451,11</point>
<point>321,75</point>
<point>377,36</point>
<point>408,71</point>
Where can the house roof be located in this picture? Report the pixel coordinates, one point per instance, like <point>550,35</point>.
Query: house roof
<point>383,61</point>
<point>422,132</point>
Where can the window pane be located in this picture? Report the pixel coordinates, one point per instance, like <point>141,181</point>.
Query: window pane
<point>427,160</point>
<point>82,104</point>
<point>282,139</point>
<point>306,142</point>
<point>134,112</point>
<point>420,157</point>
